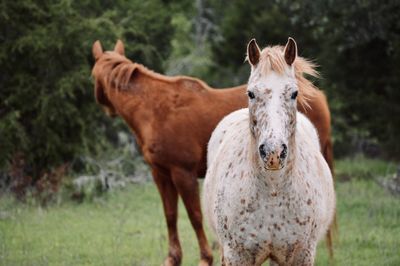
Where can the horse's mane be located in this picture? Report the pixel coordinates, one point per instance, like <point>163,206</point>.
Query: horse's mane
<point>116,71</point>
<point>272,59</point>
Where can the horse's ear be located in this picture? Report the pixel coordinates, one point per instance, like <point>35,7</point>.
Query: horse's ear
<point>253,52</point>
<point>290,51</point>
<point>119,47</point>
<point>97,51</point>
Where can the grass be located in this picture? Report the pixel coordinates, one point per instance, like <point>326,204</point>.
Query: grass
<point>127,227</point>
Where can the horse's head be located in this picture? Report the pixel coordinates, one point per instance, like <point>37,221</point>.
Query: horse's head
<point>272,92</point>
<point>100,86</point>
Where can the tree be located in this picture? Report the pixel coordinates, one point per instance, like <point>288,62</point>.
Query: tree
<point>48,114</point>
<point>356,44</point>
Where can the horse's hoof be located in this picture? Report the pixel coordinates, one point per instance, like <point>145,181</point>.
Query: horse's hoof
<point>204,262</point>
<point>170,261</point>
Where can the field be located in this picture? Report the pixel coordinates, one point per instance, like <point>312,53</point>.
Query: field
<point>126,227</point>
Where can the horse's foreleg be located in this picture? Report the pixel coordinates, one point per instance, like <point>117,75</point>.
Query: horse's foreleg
<point>169,197</point>
<point>188,187</point>
<point>273,263</point>
<point>304,256</point>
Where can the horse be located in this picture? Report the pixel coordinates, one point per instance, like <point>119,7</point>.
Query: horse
<point>172,119</point>
<point>268,192</point>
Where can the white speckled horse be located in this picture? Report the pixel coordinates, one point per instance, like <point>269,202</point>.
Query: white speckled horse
<point>268,192</point>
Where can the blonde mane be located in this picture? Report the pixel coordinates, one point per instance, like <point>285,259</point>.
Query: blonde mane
<point>272,59</point>
<point>116,71</point>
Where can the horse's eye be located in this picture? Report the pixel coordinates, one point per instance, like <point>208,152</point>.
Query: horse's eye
<point>294,95</point>
<point>251,94</point>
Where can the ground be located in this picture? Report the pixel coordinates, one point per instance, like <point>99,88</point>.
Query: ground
<point>126,227</point>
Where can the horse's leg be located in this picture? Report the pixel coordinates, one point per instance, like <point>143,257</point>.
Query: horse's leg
<point>188,188</point>
<point>169,197</point>
<point>238,257</point>
<point>273,263</point>
<point>304,256</point>
<point>221,252</point>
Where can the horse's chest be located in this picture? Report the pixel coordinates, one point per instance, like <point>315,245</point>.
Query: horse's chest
<point>264,220</point>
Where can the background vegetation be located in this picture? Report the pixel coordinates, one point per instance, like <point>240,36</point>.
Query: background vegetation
<point>48,116</point>
<point>56,144</point>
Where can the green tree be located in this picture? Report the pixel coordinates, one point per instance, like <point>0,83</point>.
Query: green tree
<point>355,43</point>
<point>47,109</point>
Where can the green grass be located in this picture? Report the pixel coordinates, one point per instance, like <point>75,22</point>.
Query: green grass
<point>361,167</point>
<point>127,227</point>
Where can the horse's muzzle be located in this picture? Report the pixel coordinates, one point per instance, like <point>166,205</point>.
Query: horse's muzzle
<point>274,159</point>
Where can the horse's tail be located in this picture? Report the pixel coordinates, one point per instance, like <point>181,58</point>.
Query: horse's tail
<point>327,152</point>
<point>331,235</point>
<point>333,228</point>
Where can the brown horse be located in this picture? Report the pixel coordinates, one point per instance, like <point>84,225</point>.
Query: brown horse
<point>172,119</point>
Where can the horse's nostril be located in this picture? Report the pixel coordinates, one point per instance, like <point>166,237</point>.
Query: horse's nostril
<point>261,149</point>
<point>283,152</point>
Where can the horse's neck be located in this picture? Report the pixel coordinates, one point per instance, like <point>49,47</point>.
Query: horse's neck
<point>131,103</point>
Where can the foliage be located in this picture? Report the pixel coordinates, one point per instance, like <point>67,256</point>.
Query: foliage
<point>114,169</point>
<point>191,51</point>
<point>357,45</point>
<point>48,114</point>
